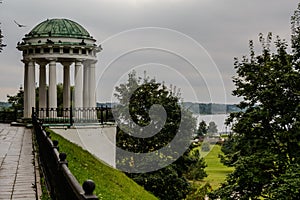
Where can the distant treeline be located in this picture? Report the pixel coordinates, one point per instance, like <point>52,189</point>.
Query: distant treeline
<point>197,108</point>
<point>211,108</point>
<point>4,105</point>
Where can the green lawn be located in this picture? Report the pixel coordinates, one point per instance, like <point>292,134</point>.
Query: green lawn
<point>111,184</point>
<point>215,170</point>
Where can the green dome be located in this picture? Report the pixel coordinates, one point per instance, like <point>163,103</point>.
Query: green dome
<point>58,28</point>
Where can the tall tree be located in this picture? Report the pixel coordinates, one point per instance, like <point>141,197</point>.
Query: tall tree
<point>212,128</point>
<point>265,147</point>
<point>202,129</point>
<point>139,95</point>
<point>17,101</point>
<point>1,37</point>
<point>1,41</point>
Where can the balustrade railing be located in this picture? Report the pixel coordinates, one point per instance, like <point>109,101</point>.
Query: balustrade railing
<point>8,116</point>
<point>69,116</point>
<point>60,181</point>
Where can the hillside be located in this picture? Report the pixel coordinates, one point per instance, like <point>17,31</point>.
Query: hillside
<point>110,183</point>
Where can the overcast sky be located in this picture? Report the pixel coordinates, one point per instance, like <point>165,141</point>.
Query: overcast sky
<point>187,43</point>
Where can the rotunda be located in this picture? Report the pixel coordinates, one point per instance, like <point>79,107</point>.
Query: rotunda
<point>59,41</point>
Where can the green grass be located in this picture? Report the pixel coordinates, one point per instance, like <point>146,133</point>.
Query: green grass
<point>110,183</point>
<point>215,170</point>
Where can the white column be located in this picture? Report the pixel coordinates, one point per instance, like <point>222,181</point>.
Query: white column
<point>30,88</point>
<point>42,87</point>
<point>26,111</point>
<point>66,86</point>
<point>52,85</point>
<point>92,84</point>
<point>42,91</point>
<point>86,87</point>
<point>78,84</point>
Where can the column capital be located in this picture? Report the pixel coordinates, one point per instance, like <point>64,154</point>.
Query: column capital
<point>27,60</point>
<point>66,63</point>
<point>51,59</point>
<point>90,62</point>
<point>42,63</point>
<point>79,61</point>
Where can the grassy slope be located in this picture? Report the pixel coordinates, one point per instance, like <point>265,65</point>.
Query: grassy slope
<point>215,170</point>
<point>110,183</point>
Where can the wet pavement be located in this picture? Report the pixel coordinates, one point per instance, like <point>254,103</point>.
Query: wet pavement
<point>17,169</point>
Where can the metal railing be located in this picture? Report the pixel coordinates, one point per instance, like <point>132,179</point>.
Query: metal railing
<point>10,116</point>
<point>69,116</point>
<point>60,181</point>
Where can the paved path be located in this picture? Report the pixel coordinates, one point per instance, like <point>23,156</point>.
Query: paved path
<point>17,174</point>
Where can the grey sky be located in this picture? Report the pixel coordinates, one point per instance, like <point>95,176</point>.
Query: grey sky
<point>222,27</point>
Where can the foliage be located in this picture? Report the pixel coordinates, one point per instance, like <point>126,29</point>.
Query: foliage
<point>199,193</point>
<point>202,129</point>
<point>264,149</point>
<point>287,185</point>
<point>17,101</point>
<point>140,95</point>
<point>60,94</point>
<point>110,183</point>
<point>1,40</point>
<point>229,149</point>
<point>1,37</point>
<point>212,128</point>
<point>45,193</point>
<point>165,183</point>
<point>195,168</point>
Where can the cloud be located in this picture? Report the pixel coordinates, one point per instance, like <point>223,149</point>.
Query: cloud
<point>222,27</point>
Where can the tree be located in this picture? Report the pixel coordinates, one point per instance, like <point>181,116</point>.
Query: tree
<point>265,145</point>
<point>17,101</point>
<point>212,128</point>
<point>1,38</point>
<point>60,95</point>
<point>138,96</point>
<point>202,129</point>
<point>1,41</point>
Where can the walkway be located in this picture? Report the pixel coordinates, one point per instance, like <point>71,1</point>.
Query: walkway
<point>17,174</point>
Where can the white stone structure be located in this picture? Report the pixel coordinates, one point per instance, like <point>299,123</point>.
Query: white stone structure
<point>59,41</point>
<point>99,140</point>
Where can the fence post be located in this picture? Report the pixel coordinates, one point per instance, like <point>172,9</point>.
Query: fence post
<point>33,115</point>
<point>101,115</point>
<point>71,115</point>
<point>62,159</point>
<point>89,186</point>
<point>106,113</point>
